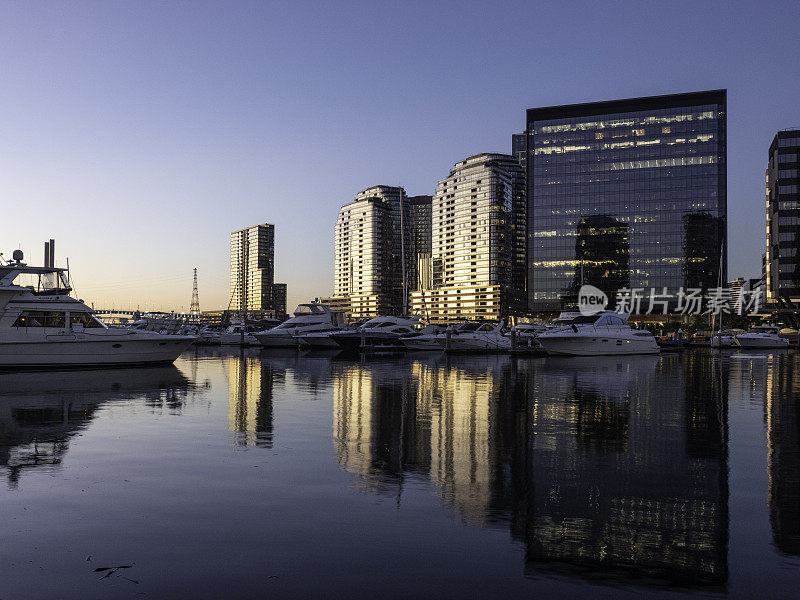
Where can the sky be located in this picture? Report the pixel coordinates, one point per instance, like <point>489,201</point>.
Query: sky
<point>140,134</point>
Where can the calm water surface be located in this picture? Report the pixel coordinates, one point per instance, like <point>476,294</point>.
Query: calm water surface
<point>248,475</point>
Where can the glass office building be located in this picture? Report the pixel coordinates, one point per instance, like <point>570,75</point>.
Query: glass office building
<point>783,218</point>
<point>627,193</point>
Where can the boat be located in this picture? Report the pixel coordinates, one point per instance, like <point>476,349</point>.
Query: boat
<point>307,318</point>
<point>238,335</point>
<point>318,340</point>
<point>381,334</point>
<point>604,333</point>
<point>426,339</point>
<point>724,338</point>
<point>524,337</point>
<point>762,336</point>
<point>474,336</point>
<point>42,325</point>
<point>672,344</point>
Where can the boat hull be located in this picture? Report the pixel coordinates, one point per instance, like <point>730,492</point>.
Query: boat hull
<point>318,343</point>
<point>596,345</point>
<point>100,352</point>
<point>422,343</point>
<point>235,339</point>
<point>270,340</point>
<point>760,343</point>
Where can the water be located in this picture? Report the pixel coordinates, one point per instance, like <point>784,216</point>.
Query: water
<point>245,474</point>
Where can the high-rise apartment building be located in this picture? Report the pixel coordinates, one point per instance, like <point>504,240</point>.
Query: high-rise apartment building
<point>783,218</point>
<point>474,271</point>
<point>626,193</point>
<point>375,236</point>
<point>362,263</point>
<point>252,278</point>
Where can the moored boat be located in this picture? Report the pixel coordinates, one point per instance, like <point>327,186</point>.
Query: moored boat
<point>42,325</point>
<point>762,336</point>
<point>605,333</point>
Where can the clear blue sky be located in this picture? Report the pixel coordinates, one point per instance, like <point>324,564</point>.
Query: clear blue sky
<point>141,134</point>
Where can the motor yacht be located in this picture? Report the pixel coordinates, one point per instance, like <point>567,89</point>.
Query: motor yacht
<point>424,339</point>
<point>476,337</point>
<point>42,325</point>
<point>318,340</point>
<point>381,333</point>
<point>307,318</point>
<point>238,334</point>
<point>763,336</point>
<point>605,333</point>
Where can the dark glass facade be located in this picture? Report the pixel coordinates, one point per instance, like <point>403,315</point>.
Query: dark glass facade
<point>627,193</point>
<point>783,218</point>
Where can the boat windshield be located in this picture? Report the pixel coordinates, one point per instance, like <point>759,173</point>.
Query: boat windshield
<point>307,309</point>
<point>585,320</point>
<point>762,330</point>
<point>42,281</point>
<point>469,327</point>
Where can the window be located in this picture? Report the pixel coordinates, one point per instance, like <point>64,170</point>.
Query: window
<point>40,318</point>
<point>86,319</point>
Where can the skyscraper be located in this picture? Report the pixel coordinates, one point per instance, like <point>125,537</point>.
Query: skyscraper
<point>252,278</point>
<point>783,217</point>
<point>362,263</point>
<point>625,193</point>
<point>375,236</point>
<point>473,242</point>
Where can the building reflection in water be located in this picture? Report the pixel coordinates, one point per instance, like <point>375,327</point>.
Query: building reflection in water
<point>41,412</point>
<point>250,390</point>
<point>783,451</point>
<point>606,467</point>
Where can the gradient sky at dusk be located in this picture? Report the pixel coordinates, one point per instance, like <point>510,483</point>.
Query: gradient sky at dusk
<point>140,134</point>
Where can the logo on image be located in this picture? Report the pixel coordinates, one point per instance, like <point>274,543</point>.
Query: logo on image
<point>591,300</point>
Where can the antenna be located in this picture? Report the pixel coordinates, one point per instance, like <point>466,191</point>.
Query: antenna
<point>194,310</point>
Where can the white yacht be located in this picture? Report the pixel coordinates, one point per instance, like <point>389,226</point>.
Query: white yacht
<point>382,333</point>
<point>605,333</point>
<point>42,325</point>
<point>308,318</point>
<point>238,335</point>
<point>763,336</point>
<point>424,339</point>
<point>476,337</point>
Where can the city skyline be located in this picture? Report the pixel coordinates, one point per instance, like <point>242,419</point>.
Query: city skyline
<point>141,136</point>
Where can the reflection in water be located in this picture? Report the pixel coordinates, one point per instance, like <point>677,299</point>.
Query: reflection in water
<point>604,467</point>
<point>648,496</point>
<point>40,412</point>
<point>250,392</point>
<point>783,458</point>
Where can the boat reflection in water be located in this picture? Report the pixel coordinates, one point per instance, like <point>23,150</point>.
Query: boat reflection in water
<point>609,468</point>
<point>41,412</point>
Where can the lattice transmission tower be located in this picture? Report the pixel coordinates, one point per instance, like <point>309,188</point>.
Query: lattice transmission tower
<point>194,309</point>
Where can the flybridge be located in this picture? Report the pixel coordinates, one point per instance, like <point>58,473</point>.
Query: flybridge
<point>41,280</point>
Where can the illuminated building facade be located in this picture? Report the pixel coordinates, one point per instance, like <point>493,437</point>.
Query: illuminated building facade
<point>252,279</point>
<point>475,231</point>
<point>374,234</point>
<point>783,217</point>
<point>651,170</point>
